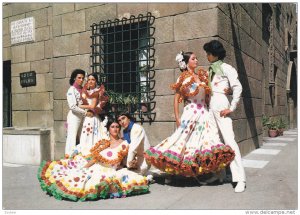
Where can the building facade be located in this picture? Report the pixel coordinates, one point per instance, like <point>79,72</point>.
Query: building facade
<point>133,47</point>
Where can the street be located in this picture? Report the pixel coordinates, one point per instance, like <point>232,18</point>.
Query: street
<point>272,184</point>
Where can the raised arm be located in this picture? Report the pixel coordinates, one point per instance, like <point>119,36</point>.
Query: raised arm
<point>176,108</point>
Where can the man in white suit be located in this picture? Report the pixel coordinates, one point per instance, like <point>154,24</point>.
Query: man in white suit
<point>223,76</point>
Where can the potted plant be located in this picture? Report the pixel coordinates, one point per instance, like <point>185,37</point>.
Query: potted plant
<point>272,124</point>
<point>127,102</point>
<point>281,126</point>
<point>134,101</point>
<point>130,102</point>
<point>114,100</point>
<point>121,102</point>
<point>144,99</point>
<point>265,120</point>
<point>273,127</point>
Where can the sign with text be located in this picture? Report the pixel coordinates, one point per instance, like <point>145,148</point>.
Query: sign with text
<point>22,30</point>
<point>28,79</point>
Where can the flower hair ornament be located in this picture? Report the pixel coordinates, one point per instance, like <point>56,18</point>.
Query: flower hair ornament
<point>179,59</point>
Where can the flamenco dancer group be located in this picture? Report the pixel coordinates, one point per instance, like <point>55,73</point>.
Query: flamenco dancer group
<point>110,157</point>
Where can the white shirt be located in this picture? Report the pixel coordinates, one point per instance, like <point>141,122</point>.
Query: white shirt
<point>228,80</point>
<point>74,99</point>
<point>139,144</point>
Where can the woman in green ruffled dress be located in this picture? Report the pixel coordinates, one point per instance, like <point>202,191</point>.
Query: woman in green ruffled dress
<point>97,176</point>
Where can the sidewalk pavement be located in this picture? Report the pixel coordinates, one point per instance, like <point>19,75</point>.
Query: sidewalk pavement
<point>272,184</point>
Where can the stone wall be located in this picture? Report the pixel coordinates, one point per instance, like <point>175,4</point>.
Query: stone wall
<point>28,146</point>
<point>178,27</point>
<point>63,43</point>
<point>31,106</point>
<point>239,28</point>
<point>280,58</point>
<point>71,49</point>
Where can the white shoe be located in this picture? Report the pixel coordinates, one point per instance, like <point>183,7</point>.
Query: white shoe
<point>240,187</point>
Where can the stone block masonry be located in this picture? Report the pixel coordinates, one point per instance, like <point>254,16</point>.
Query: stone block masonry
<point>28,147</point>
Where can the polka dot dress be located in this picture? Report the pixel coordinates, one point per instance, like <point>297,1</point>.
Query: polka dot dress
<point>68,179</point>
<point>191,149</point>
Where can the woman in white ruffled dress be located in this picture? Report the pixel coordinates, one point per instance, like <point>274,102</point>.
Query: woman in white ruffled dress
<point>97,176</point>
<point>192,149</point>
<point>93,129</point>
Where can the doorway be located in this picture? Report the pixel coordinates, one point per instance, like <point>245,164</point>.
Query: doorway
<point>7,112</point>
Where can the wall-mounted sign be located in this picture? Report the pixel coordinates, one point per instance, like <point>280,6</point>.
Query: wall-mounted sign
<point>28,79</point>
<point>22,30</point>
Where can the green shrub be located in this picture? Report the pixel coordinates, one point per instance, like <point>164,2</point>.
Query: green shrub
<point>270,123</point>
<point>281,123</point>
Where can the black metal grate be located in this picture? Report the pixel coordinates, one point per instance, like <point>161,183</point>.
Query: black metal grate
<point>123,56</point>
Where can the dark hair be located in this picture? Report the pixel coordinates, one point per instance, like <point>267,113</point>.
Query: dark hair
<point>125,113</point>
<point>215,48</point>
<point>95,76</point>
<point>186,58</point>
<point>110,121</point>
<point>74,74</point>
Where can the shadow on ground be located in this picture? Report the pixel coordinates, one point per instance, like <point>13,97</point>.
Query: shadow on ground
<point>181,181</point>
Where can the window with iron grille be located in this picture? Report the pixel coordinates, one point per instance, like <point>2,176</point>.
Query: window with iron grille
<point>123,57</point>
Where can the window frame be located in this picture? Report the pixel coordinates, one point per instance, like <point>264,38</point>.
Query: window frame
<point>138,97</point>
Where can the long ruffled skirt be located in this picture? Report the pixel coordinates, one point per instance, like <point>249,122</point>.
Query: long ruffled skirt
<point>191,150</point>
<point>67,179</point>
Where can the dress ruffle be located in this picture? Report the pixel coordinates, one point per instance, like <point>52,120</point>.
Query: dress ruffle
<point>194,148</point>
<point>202,162</point>
<point>69,179</point>
<point>111,187</point>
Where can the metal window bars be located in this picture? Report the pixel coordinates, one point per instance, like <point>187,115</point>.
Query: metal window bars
<point>123,57</point>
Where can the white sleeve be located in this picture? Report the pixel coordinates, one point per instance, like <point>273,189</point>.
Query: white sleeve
<point>73,103</point>
<point>236,87</point>
<point>137,136</point>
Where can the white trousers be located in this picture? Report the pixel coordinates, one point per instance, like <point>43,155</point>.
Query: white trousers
<point>74,125</point>
<point>223,126</point>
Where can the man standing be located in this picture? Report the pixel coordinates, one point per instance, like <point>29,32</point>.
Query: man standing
<point>223,76</point>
